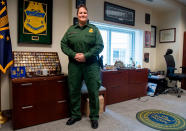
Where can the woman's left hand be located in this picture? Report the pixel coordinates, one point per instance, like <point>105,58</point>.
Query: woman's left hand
<point>80,57</point>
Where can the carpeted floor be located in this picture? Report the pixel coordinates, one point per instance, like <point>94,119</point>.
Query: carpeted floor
<point>118,117</point>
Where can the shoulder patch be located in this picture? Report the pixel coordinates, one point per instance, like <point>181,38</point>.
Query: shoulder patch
<point>91,30</point>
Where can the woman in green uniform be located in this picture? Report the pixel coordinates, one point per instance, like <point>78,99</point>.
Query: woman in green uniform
<point>82,43</point>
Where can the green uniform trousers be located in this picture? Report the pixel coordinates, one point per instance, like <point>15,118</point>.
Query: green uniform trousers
<point>91,74</point>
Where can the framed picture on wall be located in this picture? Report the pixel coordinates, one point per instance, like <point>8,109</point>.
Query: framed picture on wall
<point>147,18</point>
<point>153,36</point>
<point>119,14</point>
<point>168,35</point>
<point>35,21</point>
<point>146,57</point>
<point>147,39</point>
<point>80,2</point>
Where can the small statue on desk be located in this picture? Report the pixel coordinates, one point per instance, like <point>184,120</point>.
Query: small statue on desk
<point>132,62</point>
<point>119,64</point>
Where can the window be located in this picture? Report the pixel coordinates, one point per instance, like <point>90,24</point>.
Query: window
<point>121,44</point>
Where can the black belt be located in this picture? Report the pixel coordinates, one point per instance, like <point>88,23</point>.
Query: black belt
<point>91,60</point>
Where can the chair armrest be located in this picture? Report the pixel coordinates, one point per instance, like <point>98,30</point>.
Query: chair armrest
<point>183,67</point>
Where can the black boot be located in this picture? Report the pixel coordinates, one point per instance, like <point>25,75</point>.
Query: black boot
<point>71,121</point>
<point>94,124</point>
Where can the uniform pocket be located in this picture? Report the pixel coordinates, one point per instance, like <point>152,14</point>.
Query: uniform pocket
<point>90,38</point>
<point>72,38</point>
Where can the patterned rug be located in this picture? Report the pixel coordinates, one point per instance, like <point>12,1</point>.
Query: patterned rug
<point>162,120</point>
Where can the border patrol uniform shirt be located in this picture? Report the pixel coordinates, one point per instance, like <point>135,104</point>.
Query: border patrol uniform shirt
<point>86,39</point>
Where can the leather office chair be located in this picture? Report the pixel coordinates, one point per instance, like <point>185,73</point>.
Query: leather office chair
<point>171,75</point>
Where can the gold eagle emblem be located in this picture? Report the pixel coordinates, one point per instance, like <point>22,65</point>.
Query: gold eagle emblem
<point>90,30</point>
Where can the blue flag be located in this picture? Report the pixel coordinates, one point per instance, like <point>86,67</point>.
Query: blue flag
<point>5,43</point>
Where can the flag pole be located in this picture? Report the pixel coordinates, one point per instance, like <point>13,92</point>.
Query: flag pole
<point>5,47</point>
<point>2,118</point>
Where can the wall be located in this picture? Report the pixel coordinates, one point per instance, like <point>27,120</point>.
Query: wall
<point>63,10</point>
<point>96,9</point>
<point>61,21</point>
<point>171,19</point>
<point>152,51</point>
<point>96,14</point>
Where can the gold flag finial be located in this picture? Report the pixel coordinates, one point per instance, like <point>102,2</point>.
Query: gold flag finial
<point>2,118</point>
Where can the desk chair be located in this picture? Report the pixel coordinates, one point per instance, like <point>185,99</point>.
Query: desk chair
<point>171,75</point>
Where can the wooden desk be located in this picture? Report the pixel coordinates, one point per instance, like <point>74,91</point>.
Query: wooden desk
<point>124,84</point>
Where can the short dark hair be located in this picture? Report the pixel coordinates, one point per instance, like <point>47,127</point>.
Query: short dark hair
<point>82,5</point>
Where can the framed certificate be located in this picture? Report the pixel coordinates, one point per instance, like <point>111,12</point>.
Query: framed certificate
<point>168,35</point>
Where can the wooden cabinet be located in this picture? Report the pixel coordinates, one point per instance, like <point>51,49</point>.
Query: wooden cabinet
<point>137,83</point>
<point>125,84</point>
<point>115,82</point>
<point>38,100</point>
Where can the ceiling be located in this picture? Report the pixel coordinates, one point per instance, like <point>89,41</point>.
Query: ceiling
<point>182,1</point>
<point>161,5</point>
